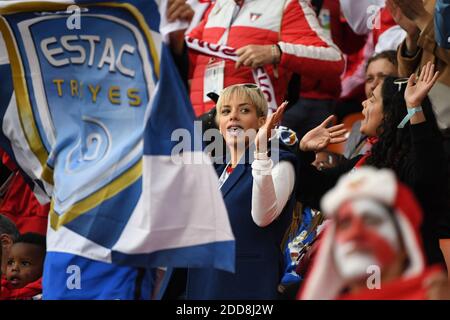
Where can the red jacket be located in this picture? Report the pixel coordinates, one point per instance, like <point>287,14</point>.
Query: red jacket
<point>386,22</point>
<point>21,206</point>
<point>348,42</point>
<point>291,24</point>
<point>30,291</point>
<point>353,47</point>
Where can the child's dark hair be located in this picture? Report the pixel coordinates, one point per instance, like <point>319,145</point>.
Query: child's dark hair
<point>32,238</point>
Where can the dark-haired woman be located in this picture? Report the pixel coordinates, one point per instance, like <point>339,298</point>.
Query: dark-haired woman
<point>414,152</point>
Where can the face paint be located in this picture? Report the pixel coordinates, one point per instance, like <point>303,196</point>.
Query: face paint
<point>365,235</point>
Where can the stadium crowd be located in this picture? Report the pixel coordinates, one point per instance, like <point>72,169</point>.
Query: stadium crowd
<point>357,203</point>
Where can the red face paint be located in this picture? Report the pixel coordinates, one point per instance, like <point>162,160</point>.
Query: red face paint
<point>368,228</point>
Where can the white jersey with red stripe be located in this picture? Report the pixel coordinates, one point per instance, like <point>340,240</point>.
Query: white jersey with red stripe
<point>200,7</point>
<point>292,24</point>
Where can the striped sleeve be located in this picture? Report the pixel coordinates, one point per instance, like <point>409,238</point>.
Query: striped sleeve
<point>305,47</point>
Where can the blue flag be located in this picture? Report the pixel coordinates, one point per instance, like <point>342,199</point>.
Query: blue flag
<point>96,101</point>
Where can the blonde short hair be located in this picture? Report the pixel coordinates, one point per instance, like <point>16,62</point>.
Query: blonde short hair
<point>248,91</point>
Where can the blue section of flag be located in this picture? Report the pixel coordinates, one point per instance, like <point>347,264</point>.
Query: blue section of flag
<point>171,111</point>
<point>89,130</point>
<point>148,8</point>
<point>217,254</point>
<point>70,277</point>
<point>104,223</point>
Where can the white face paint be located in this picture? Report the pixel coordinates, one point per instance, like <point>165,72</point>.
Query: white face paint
<point>352,264</point>
<point>365,235</point>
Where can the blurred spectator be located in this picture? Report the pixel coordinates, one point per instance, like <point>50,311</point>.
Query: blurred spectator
<point>371,248</point>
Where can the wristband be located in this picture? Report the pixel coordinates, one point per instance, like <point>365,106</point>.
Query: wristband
<point>411,112</point>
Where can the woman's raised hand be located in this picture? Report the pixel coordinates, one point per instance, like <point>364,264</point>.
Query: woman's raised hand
<point>417,89</point>
<point>320,137</point>
<point>265,132</point>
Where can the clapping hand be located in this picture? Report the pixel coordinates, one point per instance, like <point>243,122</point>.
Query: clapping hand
<point>320,137</point>
<point>265,132</point>
<point>417,90</point>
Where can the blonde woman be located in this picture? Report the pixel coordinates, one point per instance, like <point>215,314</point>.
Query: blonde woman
<point>258,193</point>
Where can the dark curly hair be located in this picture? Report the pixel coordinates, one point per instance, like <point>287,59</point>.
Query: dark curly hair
<point>32,238</point>
<point>394,145</point>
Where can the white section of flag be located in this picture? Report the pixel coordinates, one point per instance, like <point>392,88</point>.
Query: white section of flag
<point>162,221</point>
